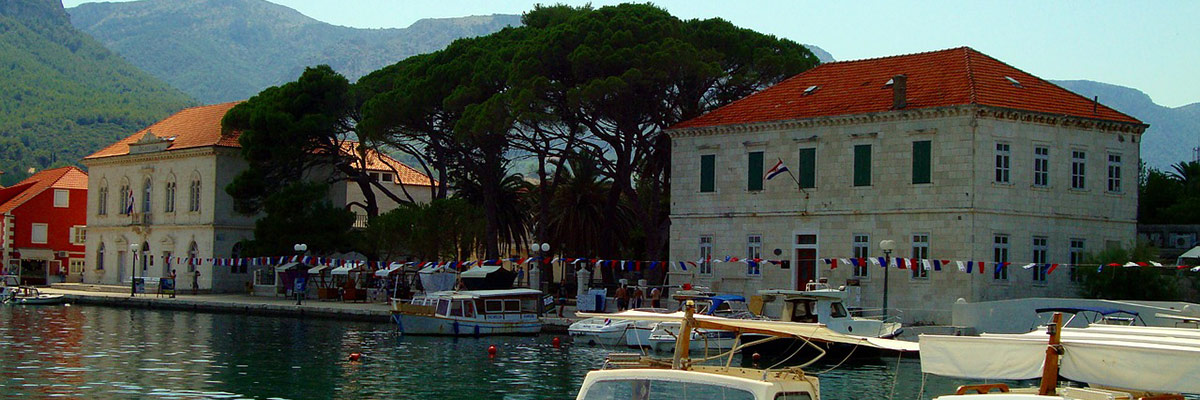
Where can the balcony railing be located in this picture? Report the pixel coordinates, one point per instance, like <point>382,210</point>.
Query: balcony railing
<point>360,221</point>
<point>143,219</point>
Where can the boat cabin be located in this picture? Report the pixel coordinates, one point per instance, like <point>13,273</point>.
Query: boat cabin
<point>511,304</point>
<point>1084,316</point>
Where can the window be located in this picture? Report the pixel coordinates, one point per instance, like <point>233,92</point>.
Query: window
<point>1002,162</point>
<point>807,168</point>
<point>62,198</point>
<point>754,177</point>
<point>708,173</point>
<point>862,165</point>
<point>861,247</point>
<point>1078,169</point>
<point>657,389</point>
<point>1114,173</point>
<point>100,257</point>
<point>1039,258</point>
<point>753,252</point>
<point>147,192</point>
<point>706,254</point>
<point>102,201</point>
<point>920,251</point>
<point>37,233</point>
<point>78,235</point>
<point>193,254</point>
<point>147,258</point>
<point>1000,255</point>
<point>169,198</point>
<point>374,176</point>
<point>1075,257</point>
<point>1041,166</point>
<point>922,162</point>
<point>194,195</point>
<point>76,266</point>
<point>126,198</point>
<point>385,177</point>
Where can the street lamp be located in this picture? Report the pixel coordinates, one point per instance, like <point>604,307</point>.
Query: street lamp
<point>887,246</point>
<point>300,248</point>
<point>133,249</point>
<point>541,250</point>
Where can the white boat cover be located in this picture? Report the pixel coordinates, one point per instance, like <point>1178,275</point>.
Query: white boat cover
<point>317,270</point>
<point>437,278</point>
<point>481,271</point>
<point>383,273</point>
<point>1091,357</point>
<point>346,269</point>
<point>815,332</point>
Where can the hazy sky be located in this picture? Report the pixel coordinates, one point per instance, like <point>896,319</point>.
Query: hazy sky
<point>1153,46</point>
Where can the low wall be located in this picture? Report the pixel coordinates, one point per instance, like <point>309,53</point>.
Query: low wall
<point>1019,316</point>
<point>306,310</point>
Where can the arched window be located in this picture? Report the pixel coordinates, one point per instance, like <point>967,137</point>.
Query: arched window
<point>102,199</point>
<point>147,259</point>
<point>147,192</point>
<point>193,254</point>
<point>169,196</point>
<point>126,198</point>
<point>194,194</point>
<point>100,257</point>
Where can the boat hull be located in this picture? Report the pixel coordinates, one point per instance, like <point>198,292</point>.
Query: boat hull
<point>443,326</point>
<point>45,299</point>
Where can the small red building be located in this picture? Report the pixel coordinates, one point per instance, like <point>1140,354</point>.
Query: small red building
<point>43,222</point>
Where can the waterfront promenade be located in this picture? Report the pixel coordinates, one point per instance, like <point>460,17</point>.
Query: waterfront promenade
<point>255,305</point>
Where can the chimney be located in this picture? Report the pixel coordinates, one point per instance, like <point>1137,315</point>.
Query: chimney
<point>899,90</point>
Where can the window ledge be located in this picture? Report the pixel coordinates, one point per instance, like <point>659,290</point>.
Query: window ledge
<point>1002,184</point>
<point>1040,188</point>
<point>1079,191</point>
<point>1114,194</point>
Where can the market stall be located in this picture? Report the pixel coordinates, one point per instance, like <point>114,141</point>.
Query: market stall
<point>348,279</point>
<point>320,278</point>
<point>436,278</point>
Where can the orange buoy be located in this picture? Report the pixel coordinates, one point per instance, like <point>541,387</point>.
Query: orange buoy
<point>492,351</point>
<point>355,356</point>
<point>556,342</point>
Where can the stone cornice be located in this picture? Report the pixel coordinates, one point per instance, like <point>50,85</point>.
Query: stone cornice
<point>911,115</point>
<point>129,159</point>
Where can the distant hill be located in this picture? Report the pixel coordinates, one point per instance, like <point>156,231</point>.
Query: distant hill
<point>62,94</point>
<point>1173,132</point>
<point>821,54</point>
<point>223,50</point>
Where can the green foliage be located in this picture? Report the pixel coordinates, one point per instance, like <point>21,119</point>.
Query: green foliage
<point>63,95</point>
<point>301,213</point>
<point>442,229</point>
<point>1120,283</point>
<point>1170,197</point>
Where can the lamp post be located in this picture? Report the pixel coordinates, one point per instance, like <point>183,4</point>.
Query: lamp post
<point>887,246</point>
<point>541,249</point>
<point>298,285</point>
<point>133,250</point>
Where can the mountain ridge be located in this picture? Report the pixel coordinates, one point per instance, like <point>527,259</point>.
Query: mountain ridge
<point>1173,132</point>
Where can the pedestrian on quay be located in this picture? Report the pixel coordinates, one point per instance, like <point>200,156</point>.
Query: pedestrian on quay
<point>196,281</point>
<point>173,285</point>
<point>638,295</point>
<point>656,297</point>
<point>622,298</point>
<point>562,297</point>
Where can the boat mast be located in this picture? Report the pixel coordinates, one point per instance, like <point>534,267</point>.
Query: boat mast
<point>1053,350</point>
<point>684,340</point>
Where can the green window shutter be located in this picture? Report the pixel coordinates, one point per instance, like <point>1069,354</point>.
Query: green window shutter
<point>862,165</point>
<point>922,162</point>
<point>708,173</point>
<point>807,169</point>
<point>754,179</point>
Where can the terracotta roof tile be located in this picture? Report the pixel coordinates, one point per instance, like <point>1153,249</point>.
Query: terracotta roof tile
<point>191,127</point>
<point>377,161</point>
<point>943,78</point>
<point>59,178</point>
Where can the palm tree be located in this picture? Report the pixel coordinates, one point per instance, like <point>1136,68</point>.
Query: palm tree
<point>1188,175</point>
<point>578,218</point>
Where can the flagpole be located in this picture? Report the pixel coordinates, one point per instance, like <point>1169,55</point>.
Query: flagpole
<point>801,188</point>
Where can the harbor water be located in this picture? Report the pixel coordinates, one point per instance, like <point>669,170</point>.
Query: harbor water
<point>104,353</point>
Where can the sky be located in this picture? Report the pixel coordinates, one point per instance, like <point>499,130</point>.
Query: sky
<point>1148,45</point>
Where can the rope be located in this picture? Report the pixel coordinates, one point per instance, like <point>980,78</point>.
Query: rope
<point>839,364</point>
<point>896,376</point>
<point>922,391</point>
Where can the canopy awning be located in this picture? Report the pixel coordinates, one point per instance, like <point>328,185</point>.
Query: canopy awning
<point>317,270</point>
<point>346,269</point>
<point>391,269</point>
<point>481,271</point>
<point>287,266</point>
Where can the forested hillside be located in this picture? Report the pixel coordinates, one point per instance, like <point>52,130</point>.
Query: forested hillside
<point>63,94</point>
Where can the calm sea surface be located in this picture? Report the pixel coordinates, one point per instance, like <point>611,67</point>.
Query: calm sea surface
<point>103,353</point>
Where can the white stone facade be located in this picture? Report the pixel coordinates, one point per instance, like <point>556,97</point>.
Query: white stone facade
<point>960,212</point>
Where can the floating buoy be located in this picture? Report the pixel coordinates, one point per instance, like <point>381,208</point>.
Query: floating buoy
<point>492,351</point>
<point>355,357</point>
<point>556,342</point>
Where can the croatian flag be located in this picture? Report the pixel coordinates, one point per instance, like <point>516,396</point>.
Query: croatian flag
<point>129,203</point>
<point>779,168</point>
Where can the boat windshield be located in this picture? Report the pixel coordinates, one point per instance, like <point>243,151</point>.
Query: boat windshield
<point>649,389</point>
<point>837,310</point>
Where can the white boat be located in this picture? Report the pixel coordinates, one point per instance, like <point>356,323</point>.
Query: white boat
<point>470,313</point>
<point>31,296</point>
<point>1116,362</point>
<point>633,376</point>
<point>612,332</point>
<point>8,285</point>
<point>663,337</point>
<point>824,305</point>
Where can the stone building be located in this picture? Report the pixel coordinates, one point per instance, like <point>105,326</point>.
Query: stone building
<point>951,154</point>
<point>163,188</point>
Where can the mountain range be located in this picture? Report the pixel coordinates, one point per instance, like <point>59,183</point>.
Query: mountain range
<point>226,50</point>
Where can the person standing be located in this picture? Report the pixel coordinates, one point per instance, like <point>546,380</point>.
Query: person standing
<point>173,284</point>
<point>196,281</point>
<point>655,297</point>
<point>622,298</point>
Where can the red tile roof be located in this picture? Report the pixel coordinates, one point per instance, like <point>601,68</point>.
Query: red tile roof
<point>201,127</point>
<point>59,178</point>
<point>191,127</point>
<point>943,78</point>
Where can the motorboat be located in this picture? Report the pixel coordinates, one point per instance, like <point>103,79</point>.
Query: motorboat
<point>613,332</point>
<point>823,305</point>
<point>637,376</point>
<point>663,337</point>
<point>470,313</point>
<point>1115,362</point>
<point>8,285</point>
<point>27,295</point>
<point>1083,316</point>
